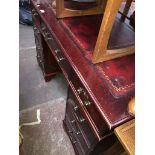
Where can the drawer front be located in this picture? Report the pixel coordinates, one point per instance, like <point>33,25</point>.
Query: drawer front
<point>44,56</point>
<point>39,48</point>
<point>88,106</point>
<point>88,134</point>
<point>35,16</point>
<point>75,131</point>
<point>72,138</point>
<point>60,57</point>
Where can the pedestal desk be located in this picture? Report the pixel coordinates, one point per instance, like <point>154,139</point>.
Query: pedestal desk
<point>98,94</point>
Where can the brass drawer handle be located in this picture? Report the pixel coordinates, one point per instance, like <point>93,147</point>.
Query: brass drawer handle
<point>73,121</point>
<point>87,103</point>
<point>71,137</point>
<point>34,27</point>
<point>43,28</point>
<point>80,90</point>
<point>78,132</point>
<point>56,51</point>
<point>41,61</point>
<point>80,120</point>
<point>60,59</point>
<point>36,31</point>
<point>38,56</point>
<point>33,10</point>
<point>47,38</point>
<point>35,14</point>
<point>70,131</point>
<point>76,108</point>
<point>73,141</point>
<point>38,47</point>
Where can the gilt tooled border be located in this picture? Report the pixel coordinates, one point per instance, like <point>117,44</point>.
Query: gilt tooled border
<point>118,89</point>
<point>114,86</point>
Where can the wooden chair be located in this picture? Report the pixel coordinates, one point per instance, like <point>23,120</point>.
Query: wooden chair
<point>101,53</point>
<point>109,9</point>
<point>62,12</point>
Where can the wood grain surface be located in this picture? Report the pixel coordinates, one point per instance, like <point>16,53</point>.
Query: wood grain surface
<point>126,135</point>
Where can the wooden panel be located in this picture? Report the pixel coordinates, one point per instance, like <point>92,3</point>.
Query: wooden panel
<point>126,135</point>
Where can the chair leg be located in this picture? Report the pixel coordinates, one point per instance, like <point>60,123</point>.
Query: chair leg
<point>126,9</point>
<point>59,7</point>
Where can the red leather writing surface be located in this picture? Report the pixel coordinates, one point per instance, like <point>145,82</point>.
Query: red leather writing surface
<point>118,74</point>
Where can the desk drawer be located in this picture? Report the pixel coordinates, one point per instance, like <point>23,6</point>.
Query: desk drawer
<point>75,131</point>
<point>88,106</point>
<point>86,130</point>
<point>44,56</point>
<point>84,126</point>
<point>59,56</point>
<point>39,48</point>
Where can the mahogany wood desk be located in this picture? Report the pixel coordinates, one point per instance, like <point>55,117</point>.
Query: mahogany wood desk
<point>98,95</point>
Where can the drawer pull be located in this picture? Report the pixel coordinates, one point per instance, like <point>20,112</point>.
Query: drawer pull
<point>33,10</point>
<point>76,108</point>
<point>73,141</point>
<point>70,131</point>
<point>56,51</point>
<point>61,58</point>
<point>43,28</point>
<point>48,38</point>
<point>73,121</point>
<point>81,120</point>
<point>35,14</point>
<point>87,103</point>
<point>38,47</point>
<point>78,132</point>
<point>80,90</point>
<point>36,31</point>
<point>34,27</point>
<point>38,56</point>
<point>71,138</point>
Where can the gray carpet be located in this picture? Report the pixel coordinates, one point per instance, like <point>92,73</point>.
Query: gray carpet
<point>47,138</point>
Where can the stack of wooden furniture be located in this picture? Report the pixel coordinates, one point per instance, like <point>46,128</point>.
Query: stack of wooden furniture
<point>98,94</point>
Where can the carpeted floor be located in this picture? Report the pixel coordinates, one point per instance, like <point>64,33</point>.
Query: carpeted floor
<point>47,138</point>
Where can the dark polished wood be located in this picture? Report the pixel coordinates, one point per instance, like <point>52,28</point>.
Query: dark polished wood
<point>101,91</point>
<point>45,59</point>
<point>81,133</point>
<point>108,84</point>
